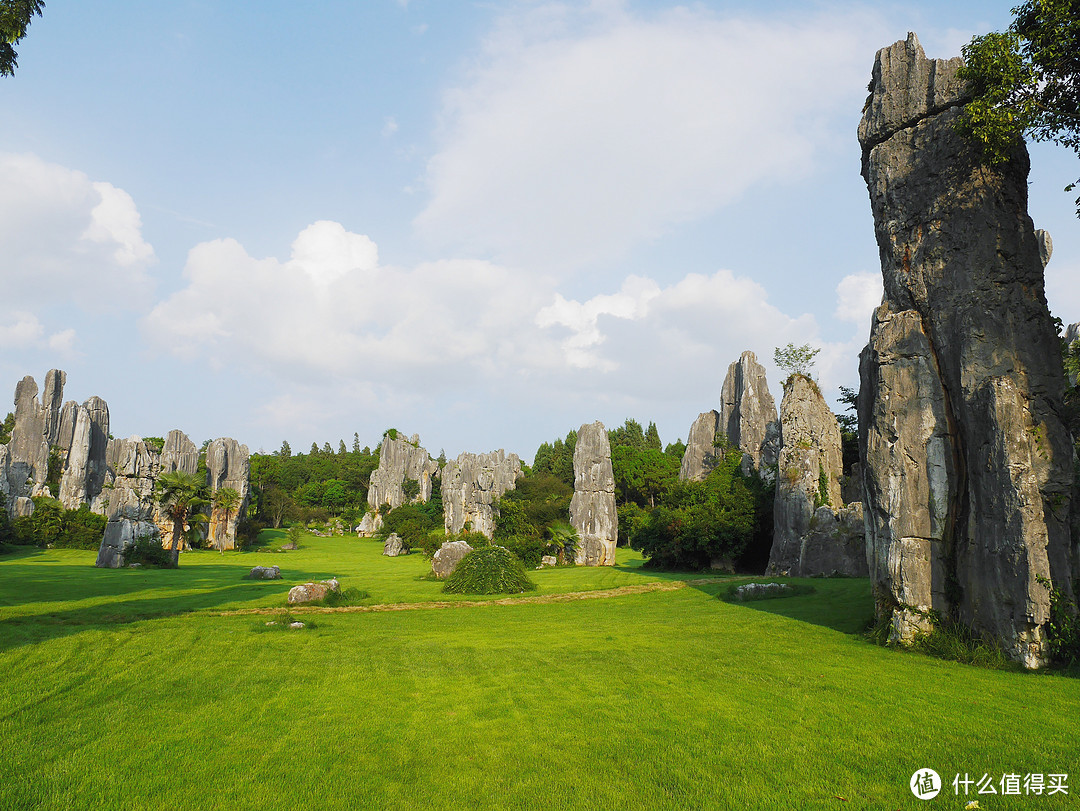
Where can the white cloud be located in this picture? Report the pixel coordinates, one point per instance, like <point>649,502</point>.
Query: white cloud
<point>68,239</point>
<point>581,133</point>
<point>857,296</point>
<point>390,126</point>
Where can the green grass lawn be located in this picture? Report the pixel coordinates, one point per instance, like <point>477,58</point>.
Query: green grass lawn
<point>130,689</point>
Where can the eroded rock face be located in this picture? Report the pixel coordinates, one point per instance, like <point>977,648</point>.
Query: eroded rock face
<point>448,557</point>
<point>967,465</point>
<point>120,534</point>
<point>1072,335</point>
<point>700,454</point>
<point>86,465</point>
<point>227,466</point>
<point>835,544</point>
<point>28,448</point>
<point>748,414</point>
<point>471,484</point>
<point>592,509</point>
<point>399,459</point>
<point>810,465</point>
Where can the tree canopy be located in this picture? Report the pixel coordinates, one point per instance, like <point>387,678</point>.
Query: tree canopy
<point>15,18</point>
<point>1025,81</point>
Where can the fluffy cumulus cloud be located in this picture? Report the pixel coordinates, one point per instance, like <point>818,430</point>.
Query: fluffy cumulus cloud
<point>581,131</point>
<point>69,244</point>
<point>331,325</point>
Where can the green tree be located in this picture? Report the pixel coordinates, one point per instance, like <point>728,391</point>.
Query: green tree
<point>226,502</point>
<point>1025,81</point>
<point>15,18</point>
<point>6,428</point>
<point>180,496</point>
<point>795,360</point>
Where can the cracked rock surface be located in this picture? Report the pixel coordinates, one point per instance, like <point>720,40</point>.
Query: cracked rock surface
<point>967,462</point>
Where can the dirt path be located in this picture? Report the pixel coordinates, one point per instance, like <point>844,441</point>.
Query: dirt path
<point>663,585</point>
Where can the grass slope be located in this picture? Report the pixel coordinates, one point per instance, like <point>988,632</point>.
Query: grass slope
<point>126,689</point>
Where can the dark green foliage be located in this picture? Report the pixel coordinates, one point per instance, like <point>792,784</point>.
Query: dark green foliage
<point>82,529</point>
<point>631,518</point>
<point>44,527</point>
<point>413,522</point>
<point>489,570</point>
<point>247,532</point>
<point>557,459</point>
<point>336,599</point>
<point>529,550</point>
<point>148,551</point>
<point>155,443</point>
<point>849,427</point>
<point>563,541</point>
<point>1025,81</point>
<point>54,470</point>
<point>539,500</point>
<point>6,428</point>
<point>1063,627</point>
<point>311,486</point>
<point>7,535</point>
<point>676,449</point>
<point>701,522</point>
<point>821,498</point>
<point>642,474</point>
<point>15,18</point>
<point>410,488</point>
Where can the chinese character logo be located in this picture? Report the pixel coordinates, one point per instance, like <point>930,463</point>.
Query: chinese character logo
<point>925,784</point>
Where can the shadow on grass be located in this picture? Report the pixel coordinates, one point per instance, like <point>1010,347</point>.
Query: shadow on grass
<point>843,604</point>
<point>183,591</point>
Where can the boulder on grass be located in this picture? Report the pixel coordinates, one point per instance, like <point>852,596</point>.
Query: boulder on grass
<point>394,546</point>
<point>448,557</point>
<point>265,573</point>
<point>310,592</point>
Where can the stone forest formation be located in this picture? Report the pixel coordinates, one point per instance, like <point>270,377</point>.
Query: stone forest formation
<point>962,505</point>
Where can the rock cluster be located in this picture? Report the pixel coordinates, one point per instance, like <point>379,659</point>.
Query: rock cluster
<point>265,573</point>
<point>747,420</point>
<point>812,533</point>
<point>399,459</point>
<point>471,484</point>
<point>967,467</point>
<point>24,461</point>
<point>227,466</point>
<point>592,509</point>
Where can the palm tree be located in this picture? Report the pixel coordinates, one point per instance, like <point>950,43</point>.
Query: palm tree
<point>179,495</point>
<point>226,500</point>
<point>564,540</point>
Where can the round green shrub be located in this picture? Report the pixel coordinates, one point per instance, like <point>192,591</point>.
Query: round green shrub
<point>489,570</point>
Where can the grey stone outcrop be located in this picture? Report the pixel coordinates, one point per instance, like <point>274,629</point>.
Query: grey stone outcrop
<point>227,466</point>
<point>86,464</point>
<point>1072,335</point>
<point>748,415</point>
<point>310,592</point>
<point>967,464</point>
<point>121,532</point>
<point>808,477</point>
<point>399,459</point>
<point>448,557</point>
<point>471,484</point>
<point>394,546</point>
<point>592,509</point>
<point>265,573</point>
<point>701,452</point>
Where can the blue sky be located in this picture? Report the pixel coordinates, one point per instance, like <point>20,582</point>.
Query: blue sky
<point>483,222</point>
